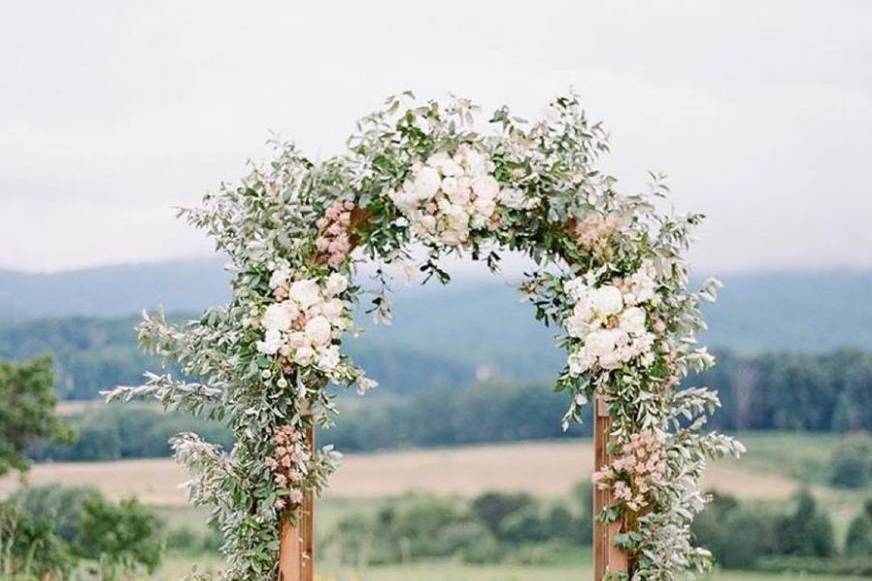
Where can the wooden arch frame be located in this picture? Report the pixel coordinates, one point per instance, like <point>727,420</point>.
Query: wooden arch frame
<point>297,546</point>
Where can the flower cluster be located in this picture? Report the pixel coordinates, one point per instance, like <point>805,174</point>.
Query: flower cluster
<point>289,465</point>
<point>448,196</point>
<point>334,240</point>
<point>610,322</point>
<point>633,474</point>
<point>594,232</point>
<point>303,326</point>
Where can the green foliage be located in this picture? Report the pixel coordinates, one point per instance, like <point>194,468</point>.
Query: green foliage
<point>808,531</point>
<point>494,527</point>
<point>738,537</point>
<point>121,537</point>
<point>28,546</point>
<point>27,403</point>
<point>52,530</point>
<point>116,432</point>
<point>858,541</point>
<point>851,465</point>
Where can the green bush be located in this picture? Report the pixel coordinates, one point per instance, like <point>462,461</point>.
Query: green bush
<point>851,464</point>
<point>120,537</point>
<point>807,532</point>
<point>858,542</point>
<point>28,546</point>
<point>48,530</point>
<point>736,536</point>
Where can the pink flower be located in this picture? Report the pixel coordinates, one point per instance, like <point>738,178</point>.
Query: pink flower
<point>296,497</point>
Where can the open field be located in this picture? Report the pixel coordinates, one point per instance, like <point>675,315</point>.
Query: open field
<point>446,570</point>
<point>775,467</point>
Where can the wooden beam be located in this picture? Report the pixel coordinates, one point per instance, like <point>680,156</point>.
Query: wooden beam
<point>607,557</point>
<point>297,542</point>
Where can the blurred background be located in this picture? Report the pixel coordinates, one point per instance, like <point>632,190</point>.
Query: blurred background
<point>456,467</point>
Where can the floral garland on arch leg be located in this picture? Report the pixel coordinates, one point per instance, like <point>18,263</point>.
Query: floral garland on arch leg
<point>611,274</point>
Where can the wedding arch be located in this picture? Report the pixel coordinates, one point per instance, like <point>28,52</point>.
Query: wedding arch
<point>610,274</point>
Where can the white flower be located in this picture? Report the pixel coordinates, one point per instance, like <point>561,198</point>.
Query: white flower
<point>445,164</point>
<point>271,343</point>
<point>632,320</point>
<point>280,276</point>
<point>604,345</point>
<point>426,183</point>
<point>318,330</point>
<point>642,285</point>
<point>333,311</point>
<point>516,199</point>
<point>606,300</point>
<point>279,316</point>
<point>336,284</point>
<point>577,326</point>
<point>305,293</point>
<point>576,289</point>
<point>304,356</point>
<point>328,360</point>
<point>579,362</point>
<point>486,187</point>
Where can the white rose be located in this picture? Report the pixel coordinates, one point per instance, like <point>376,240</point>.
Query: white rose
<point>512,198</point>
<point>271,343</point>
<point>279,276</point>
<point>579,362</point>
<point>426,183</point>
<point>428,223</point>
<point>604,344</point>
<point>336,284</point>
<point>279,317</point>
<point>632,321</point>
<point>576,289</point>
<point>577,326</point>
<point>318,330</point>
<point>304,356</point>
<point>606,300</point>
<point>473,162</point>
<point>333,311</point>
<point>443,162</point>
<point>305,293</point>
<point>486,187</point>
<point>458,194</point>
<point>328,360</point>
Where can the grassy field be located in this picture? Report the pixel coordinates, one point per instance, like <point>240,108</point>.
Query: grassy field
<point>450,571</point>
<point>775,466</point>
<point>773,469</point>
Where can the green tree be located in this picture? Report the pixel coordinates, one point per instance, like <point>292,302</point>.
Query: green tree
<point>858,542</point>
<point>27,405</point>
<point>122,538</point>
<point>851,464</point>
<point>807,531</point>
<point>29,548</point>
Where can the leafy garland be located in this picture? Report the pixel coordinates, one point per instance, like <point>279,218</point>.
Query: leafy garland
<point>611,274</point>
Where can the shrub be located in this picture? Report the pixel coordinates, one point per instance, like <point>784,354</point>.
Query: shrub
<point>858,542</point>
<point>806,532</point>
<point>493,507</point>
<point>28,546</point>
<point>851,464</point>
<point>120,537</point>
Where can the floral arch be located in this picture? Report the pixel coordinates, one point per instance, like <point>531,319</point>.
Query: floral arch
<point>612,276</point>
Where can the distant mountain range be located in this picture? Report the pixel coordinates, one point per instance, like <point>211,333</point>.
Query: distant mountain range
<point>474,319</point>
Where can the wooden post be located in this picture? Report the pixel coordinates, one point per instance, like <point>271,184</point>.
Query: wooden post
<point>297,543</point>
<point>606,557</point>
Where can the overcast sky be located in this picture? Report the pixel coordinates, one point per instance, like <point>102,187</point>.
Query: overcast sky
<point>113,112</point>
